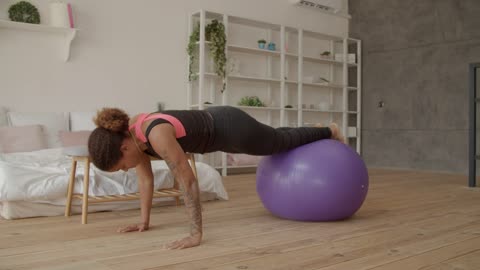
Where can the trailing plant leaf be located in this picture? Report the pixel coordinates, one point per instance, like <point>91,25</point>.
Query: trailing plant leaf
<point>215,33</point>
<point>192,52</point>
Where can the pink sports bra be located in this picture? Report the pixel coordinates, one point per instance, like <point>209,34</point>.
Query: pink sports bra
<point>179,128</point>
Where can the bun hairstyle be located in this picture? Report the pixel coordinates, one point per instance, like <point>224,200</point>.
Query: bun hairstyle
<point>112,119</point>
<point>105,141</point>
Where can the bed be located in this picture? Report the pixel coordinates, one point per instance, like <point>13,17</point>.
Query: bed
<point>34,180</point>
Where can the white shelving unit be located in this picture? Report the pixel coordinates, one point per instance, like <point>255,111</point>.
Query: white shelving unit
<point>299,86</point>
<point>67,33</point>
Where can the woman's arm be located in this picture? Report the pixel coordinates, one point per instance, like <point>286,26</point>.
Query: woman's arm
<point>145,186</point>
<point>164,142</point>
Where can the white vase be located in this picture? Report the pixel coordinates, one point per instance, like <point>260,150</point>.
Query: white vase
<point>59,14</point>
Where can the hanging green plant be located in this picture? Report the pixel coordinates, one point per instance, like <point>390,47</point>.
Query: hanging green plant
<point>215,33</point>
<point>25,12</point>
<point>192,52</point>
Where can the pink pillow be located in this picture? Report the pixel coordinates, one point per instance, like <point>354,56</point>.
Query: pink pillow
<point>22,139</point>
<point>74,138</point>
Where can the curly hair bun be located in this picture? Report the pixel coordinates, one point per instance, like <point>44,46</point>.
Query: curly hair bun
<point>112,119</point>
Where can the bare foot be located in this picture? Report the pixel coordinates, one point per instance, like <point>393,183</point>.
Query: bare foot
<point>336,133</point>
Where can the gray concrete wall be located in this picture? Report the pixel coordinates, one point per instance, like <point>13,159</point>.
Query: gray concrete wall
<point>415,59</point>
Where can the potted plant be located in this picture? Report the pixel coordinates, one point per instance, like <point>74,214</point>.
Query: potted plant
<point>25,12</point>
<point>261,43</point>
<point>215,34</point>
<point>325,54</point>
<point>251,101</point>
<point>271,46</point>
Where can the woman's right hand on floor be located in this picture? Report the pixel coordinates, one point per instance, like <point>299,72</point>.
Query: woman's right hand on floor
<point>133,228</point>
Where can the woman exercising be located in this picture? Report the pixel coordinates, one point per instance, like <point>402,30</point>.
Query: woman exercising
<point>120,143</point>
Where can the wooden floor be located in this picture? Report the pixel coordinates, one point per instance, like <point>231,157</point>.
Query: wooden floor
<point>410,220</point>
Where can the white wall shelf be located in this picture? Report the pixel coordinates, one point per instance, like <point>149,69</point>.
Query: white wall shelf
<point>250,78</point>
<point>204,105</point>
<point>327,60</point>
<point>266,108</point>
<point>281,77</point>
<point>244,78</point>
<point>291,82</point>
<point>257,108</point>
<point>237,48</point>
<point>325,85</point>
<point>321,111</point>
<point>293,55</point>
<point>322,60</point>
<point>67,33</point>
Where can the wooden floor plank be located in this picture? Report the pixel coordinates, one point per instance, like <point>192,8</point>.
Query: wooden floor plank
<point>435,256</point>
<point>468,261</point>
<point>313,252</point>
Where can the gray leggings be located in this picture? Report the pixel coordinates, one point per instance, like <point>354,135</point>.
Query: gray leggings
<point>238,132</point>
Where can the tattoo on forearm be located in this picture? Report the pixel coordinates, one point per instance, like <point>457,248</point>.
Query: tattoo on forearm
<point>190,195</point>
<point>192,202</point>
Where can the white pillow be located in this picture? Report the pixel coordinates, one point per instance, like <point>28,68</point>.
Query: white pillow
<point>22,139</point>
<point>82,121</point>
<point>3,117</point>
<point>52,123</point>
<point>74,138</point>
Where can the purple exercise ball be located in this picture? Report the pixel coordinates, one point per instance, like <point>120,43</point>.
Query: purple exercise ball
<point>321,181</point>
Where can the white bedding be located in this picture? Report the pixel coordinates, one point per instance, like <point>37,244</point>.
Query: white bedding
<point>41,178</point>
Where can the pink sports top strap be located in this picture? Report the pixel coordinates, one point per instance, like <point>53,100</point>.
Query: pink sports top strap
<point>179,128</point>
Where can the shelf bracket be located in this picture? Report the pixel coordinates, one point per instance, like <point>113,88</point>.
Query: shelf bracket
<point>69,36</point>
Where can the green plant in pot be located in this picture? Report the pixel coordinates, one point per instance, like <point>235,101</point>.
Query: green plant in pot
<point>325,54</point>
<point>215,34</point>
<point>251,101</point>
<point>25,12</point>
<point>261,43</point>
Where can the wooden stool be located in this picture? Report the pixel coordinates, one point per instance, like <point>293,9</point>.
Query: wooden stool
<point>79,156</point>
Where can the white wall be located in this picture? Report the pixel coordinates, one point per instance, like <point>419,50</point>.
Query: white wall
<point>129,54</point>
